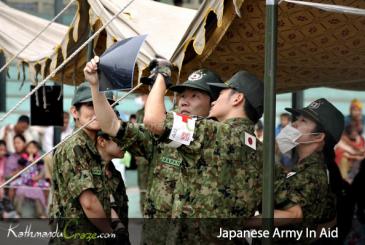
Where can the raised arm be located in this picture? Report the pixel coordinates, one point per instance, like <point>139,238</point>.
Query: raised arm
<point>105,114</point>
<point>155,111</point>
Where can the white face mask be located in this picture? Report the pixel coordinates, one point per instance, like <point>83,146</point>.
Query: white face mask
<point>287,138</point>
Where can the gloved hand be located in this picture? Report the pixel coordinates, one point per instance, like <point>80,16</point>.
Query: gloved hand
<point>158,66</point>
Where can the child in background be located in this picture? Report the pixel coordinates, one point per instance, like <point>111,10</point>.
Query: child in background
<point>35,175</point>
<point>31,182</point>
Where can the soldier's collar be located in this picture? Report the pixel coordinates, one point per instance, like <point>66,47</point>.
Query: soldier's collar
<point>314,158</point>
<point>89,142</point>
<point>239,121</point>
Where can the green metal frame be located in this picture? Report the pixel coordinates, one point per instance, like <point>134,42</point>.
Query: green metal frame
<point>269,115</point>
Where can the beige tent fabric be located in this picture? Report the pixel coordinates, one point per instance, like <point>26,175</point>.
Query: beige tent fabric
<point>18,28</point>
<point>164,24</point>
<point>315,48</point>
<point>50,49</point>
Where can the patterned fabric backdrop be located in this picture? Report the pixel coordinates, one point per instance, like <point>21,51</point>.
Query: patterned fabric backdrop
<point>315,48</point>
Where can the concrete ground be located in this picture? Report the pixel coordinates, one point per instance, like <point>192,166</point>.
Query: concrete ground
<point>133,194</point>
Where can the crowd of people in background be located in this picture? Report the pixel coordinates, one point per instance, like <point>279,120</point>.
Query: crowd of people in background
<point>20,145</point>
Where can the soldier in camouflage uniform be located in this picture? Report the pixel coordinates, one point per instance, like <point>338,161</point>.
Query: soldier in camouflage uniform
<point>305,192</point>
<point>195,98</point>
<point>164,160</point>
<point>221,165</point>
<point>221,161</point>
<point>109,150</point>
<point>142,163</point>
<point>79,178</point>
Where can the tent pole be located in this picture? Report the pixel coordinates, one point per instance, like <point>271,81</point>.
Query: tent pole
<point>90,46</point>
<point>269,115</point>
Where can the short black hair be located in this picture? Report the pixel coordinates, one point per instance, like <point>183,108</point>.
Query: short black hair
<point>287,115</point>
<point>259,125</point>
<point>20,136</point>
<point>251,112</point>
<point>36,143</point>
<point>3,142</point>
<point>23,118</point>
<point>78,106</point>
<point>102,135</point>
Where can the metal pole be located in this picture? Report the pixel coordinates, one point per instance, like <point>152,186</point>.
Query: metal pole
<point>297,99</point>
<point>2,84</point>
<point>90,47</point>
<point>269,115</point>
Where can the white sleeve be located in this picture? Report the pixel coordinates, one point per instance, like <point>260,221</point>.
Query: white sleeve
<point>47,143</point>
<point>2,131</point>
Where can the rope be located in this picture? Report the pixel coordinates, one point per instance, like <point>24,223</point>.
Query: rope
<point>330,7</point>
<point>36,36</point>
<point>64,140</point>
<point>65,62</point>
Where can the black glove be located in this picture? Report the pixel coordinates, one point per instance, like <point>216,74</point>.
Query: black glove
<point>158,66</point>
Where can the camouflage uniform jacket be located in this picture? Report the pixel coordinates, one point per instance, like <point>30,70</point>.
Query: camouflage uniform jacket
<point>307,185</point>
<point>164,167</point>
<point>119,193</point>
<point>220,174</point>
<point>140,115</point>
<point>142,166</point>
<point>77,167</point>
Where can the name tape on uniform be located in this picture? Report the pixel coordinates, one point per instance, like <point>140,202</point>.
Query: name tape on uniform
<point>182,129</point>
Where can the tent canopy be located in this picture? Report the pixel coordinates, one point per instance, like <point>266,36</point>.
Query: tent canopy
<point>315,48</point>
<point>164,24</point>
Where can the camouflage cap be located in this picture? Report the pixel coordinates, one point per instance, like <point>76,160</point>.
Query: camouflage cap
<point>83,94</point>
<point>246,83</point>
<point>325,114</point>
<point>199,80</point>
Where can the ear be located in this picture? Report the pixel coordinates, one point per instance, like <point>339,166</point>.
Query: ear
<point>322,136</point>
<point>319,137</point>
<point>101,141</point>
<point>74,112</point>
<point>237,99</point>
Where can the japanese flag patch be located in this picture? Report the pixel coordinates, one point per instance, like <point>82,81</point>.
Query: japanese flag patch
<point>290,174</point>
<point>182,129</point>
<point>250,140</point>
